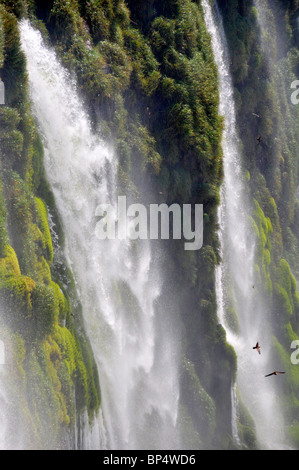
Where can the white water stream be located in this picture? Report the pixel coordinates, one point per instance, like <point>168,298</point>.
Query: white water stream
<point>118,282</point>
<point>235,278</point>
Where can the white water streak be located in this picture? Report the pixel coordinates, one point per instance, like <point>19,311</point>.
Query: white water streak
<point>235,279</point>
<point>12,427</point>
<point>139,385</point>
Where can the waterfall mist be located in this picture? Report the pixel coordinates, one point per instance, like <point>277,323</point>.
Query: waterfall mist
<point>119,282</point>
<point>13,433</point>
<point>8,438</point>
<point>241,305</point>
<point>3,402</point>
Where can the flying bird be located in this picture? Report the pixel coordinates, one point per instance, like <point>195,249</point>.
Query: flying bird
<point>256,115</point>
<point>259,139</point>
<point>275,373</point>
<point>257,347</point>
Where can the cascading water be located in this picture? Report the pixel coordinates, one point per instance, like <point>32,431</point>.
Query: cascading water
<point>12,428</point>
<point>118,282</point>
<point>235,280</point>
<point>3,405</point>
<point>3,410</point>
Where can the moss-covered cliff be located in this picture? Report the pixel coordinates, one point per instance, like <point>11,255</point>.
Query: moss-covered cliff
<point>147,75</point>
<point>48,362</point>
<point>263,40</point>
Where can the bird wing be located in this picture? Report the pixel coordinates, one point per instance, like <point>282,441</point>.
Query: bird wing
<point>275,373</point>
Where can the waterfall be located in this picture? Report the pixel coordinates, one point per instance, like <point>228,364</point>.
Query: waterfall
<point>12,427</point>
<point>118,282</point>
<point>235,278</point>
<point>3,411</point>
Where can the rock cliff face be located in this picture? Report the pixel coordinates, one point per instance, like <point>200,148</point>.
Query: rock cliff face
<point>147,76</point>
<point>263,39</point>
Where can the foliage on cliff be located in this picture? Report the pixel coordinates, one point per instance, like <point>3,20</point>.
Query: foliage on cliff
<point>147,74</point>
<point>149,81</point>
<point>264,62</point>
<point>48,361</point>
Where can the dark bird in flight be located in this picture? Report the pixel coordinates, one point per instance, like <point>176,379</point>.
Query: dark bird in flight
<point>275,373</point>
<point>259,139</point>
<point>257,347</point>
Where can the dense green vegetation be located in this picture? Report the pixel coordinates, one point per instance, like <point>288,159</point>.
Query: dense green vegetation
<point>148,78</point>
<point>146,72</point>
<point>49,362</point>
<point>264,63</point>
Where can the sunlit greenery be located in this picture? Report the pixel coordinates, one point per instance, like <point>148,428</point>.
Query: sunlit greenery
<point>49,361</point>
<point>146,73</point>
<point>264,63</point>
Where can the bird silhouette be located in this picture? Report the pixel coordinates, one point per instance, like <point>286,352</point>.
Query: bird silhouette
<point>275,373</point>
<point>257,347</point>
<point>259,139</point>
